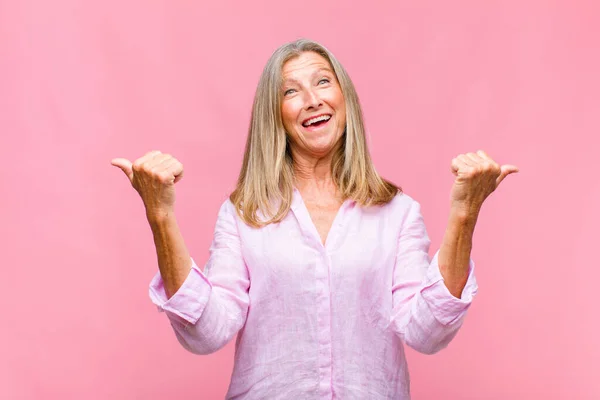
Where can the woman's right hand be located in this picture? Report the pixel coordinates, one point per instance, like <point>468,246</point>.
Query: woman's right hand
<point>153,176</point>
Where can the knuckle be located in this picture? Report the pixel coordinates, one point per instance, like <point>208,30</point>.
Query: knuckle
<point>164,176</point>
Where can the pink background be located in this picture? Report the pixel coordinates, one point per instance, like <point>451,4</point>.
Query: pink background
<point>83,82</point>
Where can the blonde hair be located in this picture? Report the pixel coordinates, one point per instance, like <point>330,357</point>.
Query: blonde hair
<point>266,181</point>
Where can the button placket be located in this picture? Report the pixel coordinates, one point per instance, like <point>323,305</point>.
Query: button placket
<point>324,322</point>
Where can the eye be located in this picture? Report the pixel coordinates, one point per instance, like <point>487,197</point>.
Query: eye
<point>326,80</point>
<point>289,91</point>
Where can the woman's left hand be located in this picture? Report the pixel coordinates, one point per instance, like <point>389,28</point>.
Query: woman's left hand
<point>477,176</point>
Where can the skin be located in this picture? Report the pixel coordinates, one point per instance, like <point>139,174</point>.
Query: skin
<point>154,176</point>
<point>476,177</point>
<point>310,89</point>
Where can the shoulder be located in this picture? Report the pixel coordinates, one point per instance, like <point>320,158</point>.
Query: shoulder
<point>227,206</point>
<point>400,210</point>
<point>227,213</point>
<point>401,204</point>
<point>231,212</point>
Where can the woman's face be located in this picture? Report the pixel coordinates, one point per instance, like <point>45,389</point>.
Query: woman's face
<point>313,107</point>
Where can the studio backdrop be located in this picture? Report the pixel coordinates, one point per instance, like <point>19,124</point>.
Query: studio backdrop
<point>82,82</point>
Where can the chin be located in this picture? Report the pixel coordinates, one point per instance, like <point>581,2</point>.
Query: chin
<point>322,147</point>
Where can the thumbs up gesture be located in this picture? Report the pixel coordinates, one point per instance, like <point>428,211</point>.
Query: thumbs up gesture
<point>477,175</point>
<point>153,176</point>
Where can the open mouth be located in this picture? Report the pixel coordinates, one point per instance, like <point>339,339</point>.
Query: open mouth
<point>316,122</point>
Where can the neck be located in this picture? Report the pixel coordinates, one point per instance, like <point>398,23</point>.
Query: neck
<point>313,176</point>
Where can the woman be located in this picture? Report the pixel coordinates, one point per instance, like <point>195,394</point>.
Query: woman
<point>317,262</point>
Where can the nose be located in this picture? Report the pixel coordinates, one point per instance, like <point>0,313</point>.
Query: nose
<point>311,100</point>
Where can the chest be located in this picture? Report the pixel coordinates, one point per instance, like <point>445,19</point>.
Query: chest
<point>320,247</point>
<point>322,215</point>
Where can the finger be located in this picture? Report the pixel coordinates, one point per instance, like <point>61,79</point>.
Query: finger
<point>174,167</point>
<point>475,158</point>
<point>164,163</point>
<point>137,164</point>
<point>454,166</point>
<point>484,155</point>
<point>150,155</point>
<point>485,162</point>
<point>125,166</point>
<point>458,164</point>
<point>178,172</point>
<point>506,170</point>
<point>467,160</point>
<point>160,162</point>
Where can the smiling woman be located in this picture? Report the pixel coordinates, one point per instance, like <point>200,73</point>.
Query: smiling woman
<point>313,109</point>
<point>303,80</point>
<point>319,265</point>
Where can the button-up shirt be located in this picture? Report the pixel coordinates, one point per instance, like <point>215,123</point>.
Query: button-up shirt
<point>318,321</point>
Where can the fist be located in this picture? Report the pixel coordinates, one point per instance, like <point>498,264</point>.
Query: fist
<point>477,176</point>
<point>153,176</point>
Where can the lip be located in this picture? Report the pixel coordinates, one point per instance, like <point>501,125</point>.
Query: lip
<point>315,116</point>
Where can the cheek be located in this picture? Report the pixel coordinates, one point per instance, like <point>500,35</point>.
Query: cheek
<point>285,114</point>
<point>340,106</point>
<point>335,99</point>
<point>289,114</point>
<point>342,111</point>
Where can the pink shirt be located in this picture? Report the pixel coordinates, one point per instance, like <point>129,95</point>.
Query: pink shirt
<point>315,321</point>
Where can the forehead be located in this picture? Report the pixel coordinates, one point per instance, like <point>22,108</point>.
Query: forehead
<point>306,63</point>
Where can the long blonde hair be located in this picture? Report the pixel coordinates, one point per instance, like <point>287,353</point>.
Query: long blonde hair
<point>266,181</point>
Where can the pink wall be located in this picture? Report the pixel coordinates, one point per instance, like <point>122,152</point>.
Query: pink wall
<point>83,82</point>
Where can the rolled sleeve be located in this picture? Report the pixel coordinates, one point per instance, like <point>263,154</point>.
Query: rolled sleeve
<point>445,307</point>
<point>189,301</point>
<point>425,314</point>
<point>211,306</point>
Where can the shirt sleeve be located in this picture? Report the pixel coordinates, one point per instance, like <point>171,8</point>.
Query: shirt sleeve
<point>425,314</point>
<point>210,307</point>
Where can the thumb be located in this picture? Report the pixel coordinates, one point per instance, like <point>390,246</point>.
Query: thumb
<point>125,165</point>
<point>506,170</point>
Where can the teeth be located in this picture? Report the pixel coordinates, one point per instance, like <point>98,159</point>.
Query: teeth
<point>317,119</point>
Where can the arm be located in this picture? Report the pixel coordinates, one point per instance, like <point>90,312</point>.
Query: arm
<point>425,314</point>
<point>455,251</point>
<point>431,299</point>
<point>209,307</point>
<point>154,176</point>
<point>205,311</point>
<point>174,260</point>
<point>477,176</point>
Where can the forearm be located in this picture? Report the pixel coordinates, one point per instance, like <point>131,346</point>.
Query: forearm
<point>455,251</point>
<point>174,260</point>
<point>426,314</point>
